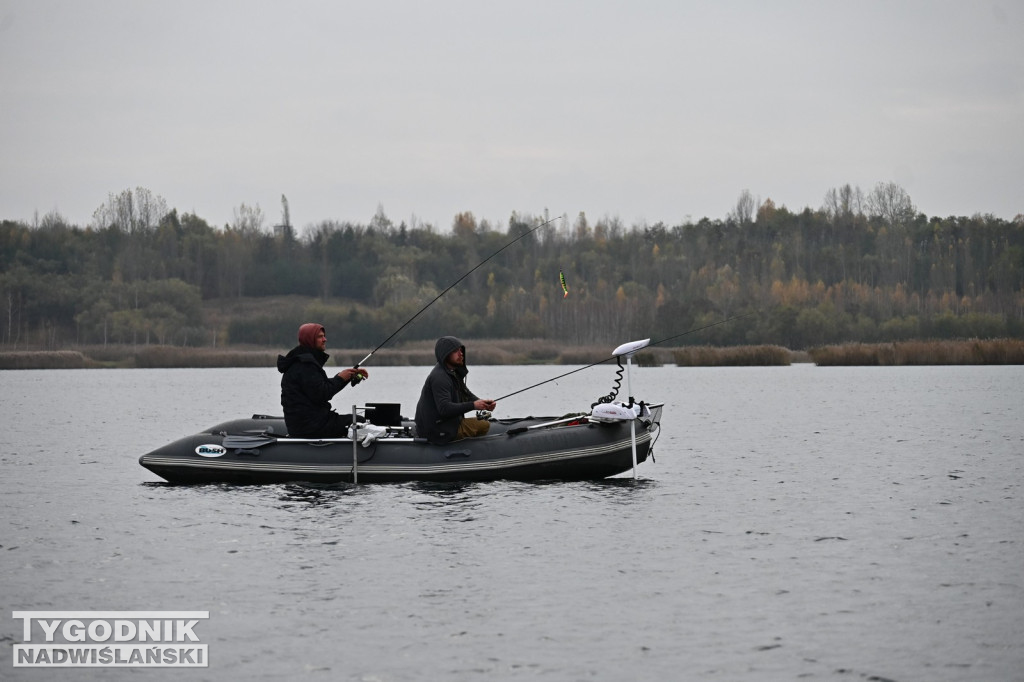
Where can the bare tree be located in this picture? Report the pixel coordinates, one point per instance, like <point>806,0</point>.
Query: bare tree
<point>52,221</point>
<point>131,211</point>
<point>136,213</point>
<point>852,200</point>
<point>248,220</point>
<point>746,205</point>
<point>843,202</point>
<point>891,202</point>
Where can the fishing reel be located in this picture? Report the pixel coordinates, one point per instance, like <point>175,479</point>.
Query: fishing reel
<point>357,378</point>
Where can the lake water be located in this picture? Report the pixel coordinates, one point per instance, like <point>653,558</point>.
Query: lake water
<point>797,523</point>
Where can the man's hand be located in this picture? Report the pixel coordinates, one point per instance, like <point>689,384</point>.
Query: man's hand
<point>482,404</point>
<point>354,375</point>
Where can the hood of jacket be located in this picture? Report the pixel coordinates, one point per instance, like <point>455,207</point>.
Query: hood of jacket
<point>308,332</point>
<point>444,347</point>
<point>301,354</point>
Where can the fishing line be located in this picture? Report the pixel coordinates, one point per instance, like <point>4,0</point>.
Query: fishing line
<point>715,324</point>
<point>615,357</point>
<point>450,287</point>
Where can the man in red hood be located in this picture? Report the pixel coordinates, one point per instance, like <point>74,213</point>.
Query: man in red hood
<point>306,390</point>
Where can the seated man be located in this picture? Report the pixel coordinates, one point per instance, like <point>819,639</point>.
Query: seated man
<point>306,390</point>
<point>445,398</point>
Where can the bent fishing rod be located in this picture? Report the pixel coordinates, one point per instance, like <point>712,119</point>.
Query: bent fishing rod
<point>612,357</point>
<point>450,287</point>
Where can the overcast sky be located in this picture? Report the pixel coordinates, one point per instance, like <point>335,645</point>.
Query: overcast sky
<point>644,110</point>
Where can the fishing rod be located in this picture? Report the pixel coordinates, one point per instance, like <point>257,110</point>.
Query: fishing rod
<point>357,378</point>
<point>612,357</point>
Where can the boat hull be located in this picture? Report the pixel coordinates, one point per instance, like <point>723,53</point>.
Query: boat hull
<point>247,451</point>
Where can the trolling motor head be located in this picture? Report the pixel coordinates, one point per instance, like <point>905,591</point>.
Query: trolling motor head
<point>626,350</point>
<point>629,349</point>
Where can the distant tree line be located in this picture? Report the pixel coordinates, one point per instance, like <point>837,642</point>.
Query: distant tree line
<point>862,267</point>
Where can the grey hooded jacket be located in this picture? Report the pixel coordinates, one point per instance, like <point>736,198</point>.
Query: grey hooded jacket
<point>445,396</point>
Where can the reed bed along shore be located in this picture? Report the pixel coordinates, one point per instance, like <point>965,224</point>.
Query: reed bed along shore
<point>733,356</point>
<point>534,351</point>
<point>501,352</point>
<point>970,352</point>
<point>44,359</point>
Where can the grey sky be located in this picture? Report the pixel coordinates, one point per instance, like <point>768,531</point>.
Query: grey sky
<point>645,110</point>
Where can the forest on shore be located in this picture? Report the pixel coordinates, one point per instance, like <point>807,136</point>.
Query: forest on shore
<point>862,268</point>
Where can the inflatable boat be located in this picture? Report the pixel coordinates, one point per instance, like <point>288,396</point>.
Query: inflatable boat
<point>610,439</point>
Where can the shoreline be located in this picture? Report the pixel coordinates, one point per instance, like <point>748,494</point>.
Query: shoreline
<point>534,352</point>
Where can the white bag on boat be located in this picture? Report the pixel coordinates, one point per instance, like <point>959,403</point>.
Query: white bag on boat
<point>366,434</point>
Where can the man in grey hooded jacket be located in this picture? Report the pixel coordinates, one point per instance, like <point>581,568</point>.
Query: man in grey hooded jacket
<point>445,398</point>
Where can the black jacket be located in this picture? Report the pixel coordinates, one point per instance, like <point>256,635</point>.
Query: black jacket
<point>306,392</point>
<point>445,396</point>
